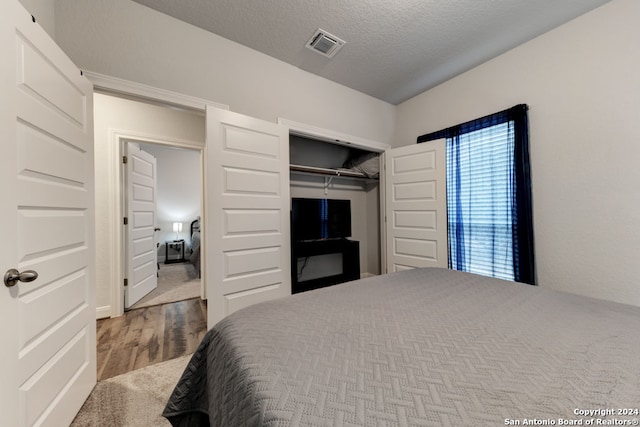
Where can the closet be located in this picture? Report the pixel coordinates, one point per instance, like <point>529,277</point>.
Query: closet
<point>337,171</point>
<point>250,186</point>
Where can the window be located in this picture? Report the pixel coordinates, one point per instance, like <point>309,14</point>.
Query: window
<point>490,228</point>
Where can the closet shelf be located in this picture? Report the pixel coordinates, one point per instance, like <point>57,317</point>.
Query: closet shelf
<point>326,171</point>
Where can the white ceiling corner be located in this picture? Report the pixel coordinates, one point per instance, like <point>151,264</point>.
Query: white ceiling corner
<point>395,49</point>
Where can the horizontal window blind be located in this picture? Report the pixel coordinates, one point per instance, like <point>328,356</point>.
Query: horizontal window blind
<point>479,202</point>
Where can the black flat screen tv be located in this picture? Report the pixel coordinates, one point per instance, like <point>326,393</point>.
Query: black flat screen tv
<point>314,219</point>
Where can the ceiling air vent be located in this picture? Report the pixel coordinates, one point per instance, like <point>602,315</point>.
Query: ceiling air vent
<point>324,43</point>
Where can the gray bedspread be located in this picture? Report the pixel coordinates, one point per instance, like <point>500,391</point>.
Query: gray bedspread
<point>419,347</point>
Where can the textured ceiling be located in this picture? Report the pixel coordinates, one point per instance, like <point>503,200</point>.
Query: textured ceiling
<point>395,49</point>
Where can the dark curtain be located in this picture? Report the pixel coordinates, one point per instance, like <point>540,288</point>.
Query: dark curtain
<point>520,188</point>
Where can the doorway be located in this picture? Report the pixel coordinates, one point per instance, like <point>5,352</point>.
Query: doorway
<point>116,120</point>
<point>177,237</point>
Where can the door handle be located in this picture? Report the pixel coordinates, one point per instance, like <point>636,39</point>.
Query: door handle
<point>13,276</point>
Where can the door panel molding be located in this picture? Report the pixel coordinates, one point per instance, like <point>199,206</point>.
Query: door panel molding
<point>415,206</point>
<point>141,177</point>
<point>248,176</point>
<point>46,128</point>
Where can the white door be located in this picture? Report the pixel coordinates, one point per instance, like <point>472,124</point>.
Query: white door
<point>247,224</point>
<point>47,332</point>
<point>141,253</point>
<point>416,206</point>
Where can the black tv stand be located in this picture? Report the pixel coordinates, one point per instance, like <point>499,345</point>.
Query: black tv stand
<point>350,250</point>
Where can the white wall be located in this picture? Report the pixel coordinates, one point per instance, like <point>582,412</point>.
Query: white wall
<point>124,39</point>
<point>179,188</point>
<point>582,84</point>
<point>113,116</point>
<point>580,81</point>
<point>44,12</point>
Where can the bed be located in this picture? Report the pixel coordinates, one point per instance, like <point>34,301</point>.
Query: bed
<point>195,233</point>
<point>418,347</point>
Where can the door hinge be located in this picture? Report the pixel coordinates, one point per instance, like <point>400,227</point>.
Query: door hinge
<point>126,282</point>
<point>126,220</point>
<point>125,160</point>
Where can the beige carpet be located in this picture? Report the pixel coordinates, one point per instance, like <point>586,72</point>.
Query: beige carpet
<point>133,399</point>
<point>176,282</point>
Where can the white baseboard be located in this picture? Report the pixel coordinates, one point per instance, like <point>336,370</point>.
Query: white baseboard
<point>102,312</point>
<point>365,275</point>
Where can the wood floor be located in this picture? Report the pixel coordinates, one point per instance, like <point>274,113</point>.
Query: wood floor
<point>149,335</point>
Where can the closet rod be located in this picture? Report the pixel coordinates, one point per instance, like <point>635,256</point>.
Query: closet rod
<point>326,171</point>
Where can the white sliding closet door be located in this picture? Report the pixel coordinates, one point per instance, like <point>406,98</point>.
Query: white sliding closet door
<point>247,225</point>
